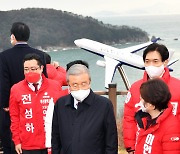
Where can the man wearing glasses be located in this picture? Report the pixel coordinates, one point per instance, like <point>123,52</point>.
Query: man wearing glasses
<point>11,72</point>
<point>83,122</point>
<point>29,100</point>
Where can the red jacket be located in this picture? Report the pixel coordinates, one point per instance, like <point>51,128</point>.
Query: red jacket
<point>28,110</point>
<point>161,138</point>
<point>58,74</point>
<point>133,98</point>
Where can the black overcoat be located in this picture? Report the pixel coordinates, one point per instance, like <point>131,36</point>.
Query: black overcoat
<point>91,129</point>
<point>12,70</point>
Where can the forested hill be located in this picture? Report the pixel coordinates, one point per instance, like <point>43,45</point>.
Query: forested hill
<point>55,28</point>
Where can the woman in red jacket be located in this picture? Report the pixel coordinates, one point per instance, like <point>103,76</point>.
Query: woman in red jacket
<point>159,131</point>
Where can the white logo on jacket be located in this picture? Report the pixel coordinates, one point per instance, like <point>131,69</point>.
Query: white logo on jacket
<point>45,102</point>
<point>148,144</point>
<point>175,139</point>
<point>175,107</point>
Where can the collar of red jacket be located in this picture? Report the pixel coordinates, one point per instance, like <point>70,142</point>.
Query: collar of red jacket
<point>44,82</point>
<point>159,120</point>
<point>165,77</point>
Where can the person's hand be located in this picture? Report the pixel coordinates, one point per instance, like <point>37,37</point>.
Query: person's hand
<point>18,149</point>
<point>132,152</point>
<point>55,64</point>
<point>6,109</point>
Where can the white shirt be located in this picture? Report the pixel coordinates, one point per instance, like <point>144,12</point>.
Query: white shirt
<point>76,103</point>
<point>21,43</point>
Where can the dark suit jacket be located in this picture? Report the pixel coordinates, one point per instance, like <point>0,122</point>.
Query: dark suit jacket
<point>12,70</point>
<point>91,129</point>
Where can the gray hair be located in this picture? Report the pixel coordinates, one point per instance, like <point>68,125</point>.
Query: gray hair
<point>77,69</point>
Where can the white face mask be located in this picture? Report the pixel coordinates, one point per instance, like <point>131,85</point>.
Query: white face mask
<point>154,71</point>
<point>80,95</point>
<point>142,107</point>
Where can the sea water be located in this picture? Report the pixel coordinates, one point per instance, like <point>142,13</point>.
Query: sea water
<point>166,27</point>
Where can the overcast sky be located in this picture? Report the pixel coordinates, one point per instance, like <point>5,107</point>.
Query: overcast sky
<point>95,7</point>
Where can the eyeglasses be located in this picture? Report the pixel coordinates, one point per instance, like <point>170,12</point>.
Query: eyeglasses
<point>76,86</point>
<point>32,69</point>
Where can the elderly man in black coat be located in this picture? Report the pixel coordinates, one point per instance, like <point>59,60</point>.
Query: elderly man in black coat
<point>83,122</point>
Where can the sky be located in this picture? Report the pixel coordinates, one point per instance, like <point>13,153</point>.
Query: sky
<point>99,7</point>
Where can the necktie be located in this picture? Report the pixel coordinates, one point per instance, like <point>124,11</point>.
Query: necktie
<point>77,105</point>
<point>35,86</point>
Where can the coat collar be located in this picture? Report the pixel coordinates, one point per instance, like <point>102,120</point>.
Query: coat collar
<point>159,120</point>
<point>21,45</point>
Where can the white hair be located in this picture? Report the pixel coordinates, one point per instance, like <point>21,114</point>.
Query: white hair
<point>77,69</point>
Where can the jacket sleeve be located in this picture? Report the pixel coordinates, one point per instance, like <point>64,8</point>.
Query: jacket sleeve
<point>15,116</point>
<point>129,124</point>
<point>55,141</point>
<point>111,132</point>
<point>171,140</point>
<point>62,73</point>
